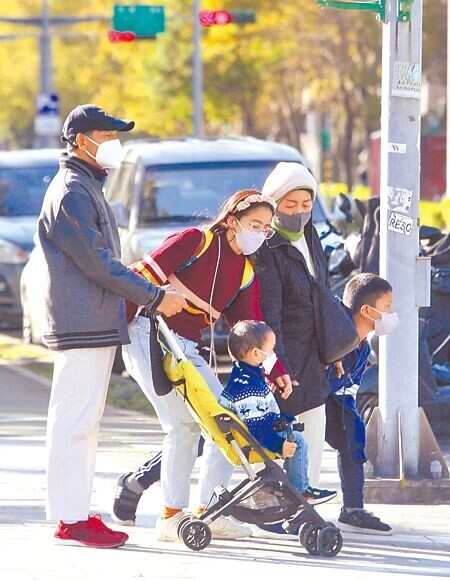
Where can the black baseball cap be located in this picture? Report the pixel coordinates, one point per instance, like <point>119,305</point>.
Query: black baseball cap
<point>89,117</point>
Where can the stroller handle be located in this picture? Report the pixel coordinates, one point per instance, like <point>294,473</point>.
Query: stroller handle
<point>171,341</point>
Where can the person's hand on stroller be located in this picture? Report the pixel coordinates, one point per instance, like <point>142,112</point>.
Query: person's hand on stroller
<point>172,303</point>
<point>288,449</point>
<point>284,385</point>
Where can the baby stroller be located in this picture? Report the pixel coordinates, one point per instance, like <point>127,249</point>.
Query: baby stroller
<point>265,496</point>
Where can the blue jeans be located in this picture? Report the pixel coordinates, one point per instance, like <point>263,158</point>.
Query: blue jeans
<point>346,433</point>
<point>296,467</point>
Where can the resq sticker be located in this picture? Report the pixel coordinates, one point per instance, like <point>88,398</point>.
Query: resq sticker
<point>400,224</point>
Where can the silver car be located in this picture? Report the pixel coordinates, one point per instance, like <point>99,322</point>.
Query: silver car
<point>24,177</point>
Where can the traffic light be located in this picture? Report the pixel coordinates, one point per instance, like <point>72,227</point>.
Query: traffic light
<point>223,17</point>
<point>116,36</point>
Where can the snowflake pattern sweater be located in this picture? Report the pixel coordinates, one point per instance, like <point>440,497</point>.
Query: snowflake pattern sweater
<point>250,398</point>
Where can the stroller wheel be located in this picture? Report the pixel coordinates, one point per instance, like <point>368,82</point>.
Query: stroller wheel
<point>183,520</point>
<point>196,535</point>
<point>329,541</point>
<point>310,538</point>
<point>301,533</point>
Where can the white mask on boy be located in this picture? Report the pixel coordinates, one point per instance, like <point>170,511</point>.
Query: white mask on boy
<point>387,323</point>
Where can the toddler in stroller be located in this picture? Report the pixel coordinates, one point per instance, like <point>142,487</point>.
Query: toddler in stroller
<point>269,495</point>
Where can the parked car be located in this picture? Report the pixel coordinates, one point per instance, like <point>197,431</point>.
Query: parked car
<point>24,177</point>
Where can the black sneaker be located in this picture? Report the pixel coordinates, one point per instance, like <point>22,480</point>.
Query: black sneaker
<point>362,521</point>
<point>318,495</point>
<point>125,503</point>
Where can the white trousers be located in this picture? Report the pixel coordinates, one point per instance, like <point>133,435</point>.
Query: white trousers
<point>314,434</point>
<point>182,432</point>
<point>80,383</point>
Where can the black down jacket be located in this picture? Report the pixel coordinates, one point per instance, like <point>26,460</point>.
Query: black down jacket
<point>286,305</point>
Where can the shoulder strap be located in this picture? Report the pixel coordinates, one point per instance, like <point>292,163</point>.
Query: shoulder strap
<point>247,276</point>
<point>204,244</point>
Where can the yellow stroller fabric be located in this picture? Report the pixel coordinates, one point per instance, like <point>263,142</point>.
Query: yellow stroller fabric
<point>204,406</point>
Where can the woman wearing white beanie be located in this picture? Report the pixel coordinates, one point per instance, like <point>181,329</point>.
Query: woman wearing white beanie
<point>286,265</point>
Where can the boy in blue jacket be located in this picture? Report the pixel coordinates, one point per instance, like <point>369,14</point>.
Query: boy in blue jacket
<point>247,394</point>
<point>368,299</point>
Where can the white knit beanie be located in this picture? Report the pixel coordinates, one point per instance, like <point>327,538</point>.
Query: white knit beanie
<point>288,176</point>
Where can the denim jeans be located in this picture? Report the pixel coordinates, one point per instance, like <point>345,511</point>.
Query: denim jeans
<point>296,467</point>
<point>346,433</point>
<point>180,444</point>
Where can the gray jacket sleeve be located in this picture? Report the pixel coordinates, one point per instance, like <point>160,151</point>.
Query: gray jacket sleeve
<point>76,232</point>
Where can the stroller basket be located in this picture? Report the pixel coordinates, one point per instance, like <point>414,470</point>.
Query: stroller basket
<point>264,497</point>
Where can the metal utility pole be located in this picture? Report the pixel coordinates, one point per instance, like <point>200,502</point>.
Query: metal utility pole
<point>197,73</point>
<point>448,104</point>
<point>399,238</point>
<point>46,77</point>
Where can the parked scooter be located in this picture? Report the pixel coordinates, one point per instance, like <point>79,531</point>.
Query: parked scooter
<point>361,254</point>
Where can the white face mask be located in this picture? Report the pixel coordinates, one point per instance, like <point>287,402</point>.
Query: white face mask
<point>387,323</point>
<point>269,361</point>
<point>248,242</point>
<point>109,153</point>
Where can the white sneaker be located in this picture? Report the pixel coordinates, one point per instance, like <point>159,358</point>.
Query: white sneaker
<point>225,527</point>
<point>166,528</point>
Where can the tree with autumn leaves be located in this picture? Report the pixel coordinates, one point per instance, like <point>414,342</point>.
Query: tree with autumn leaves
<point>261,79</point>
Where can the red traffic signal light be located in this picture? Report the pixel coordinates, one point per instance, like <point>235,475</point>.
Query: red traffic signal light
<point>116,36</point>
<point>214,17</point>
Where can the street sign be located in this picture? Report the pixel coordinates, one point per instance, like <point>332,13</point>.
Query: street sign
<point>144,21</point>
<point>47,122</point>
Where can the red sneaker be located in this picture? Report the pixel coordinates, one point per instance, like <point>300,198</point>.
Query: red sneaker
<point>90,533</point>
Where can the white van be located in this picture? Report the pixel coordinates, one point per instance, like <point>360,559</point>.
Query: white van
<point>163,186</point>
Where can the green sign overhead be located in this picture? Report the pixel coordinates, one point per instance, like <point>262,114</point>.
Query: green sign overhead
<point>145,21</point>
<point>377,6</point>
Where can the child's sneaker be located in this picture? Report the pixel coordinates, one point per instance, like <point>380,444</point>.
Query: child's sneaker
<point>90,533</point>
<point>125,503</point>
<point>167,528</point>
<point>318,495</point>
<point>359,520</point>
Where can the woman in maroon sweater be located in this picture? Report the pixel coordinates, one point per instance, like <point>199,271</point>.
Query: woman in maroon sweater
<point>211,269</point>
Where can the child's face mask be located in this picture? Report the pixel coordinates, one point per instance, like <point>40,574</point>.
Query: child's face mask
<point>269,361</point>
<point>387,323</point>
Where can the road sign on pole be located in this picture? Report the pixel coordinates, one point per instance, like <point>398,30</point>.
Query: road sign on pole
<point>47,122</point>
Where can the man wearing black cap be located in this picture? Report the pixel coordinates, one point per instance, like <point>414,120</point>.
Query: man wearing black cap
<point>81,283</point>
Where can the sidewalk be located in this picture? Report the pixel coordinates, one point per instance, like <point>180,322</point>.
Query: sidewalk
<point>420,545</point>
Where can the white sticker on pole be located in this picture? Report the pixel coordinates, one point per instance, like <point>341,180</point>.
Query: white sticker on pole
<point>406,80</point>
<point>397,147</point>
<point>400,224</point>
<point>399,199</point>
